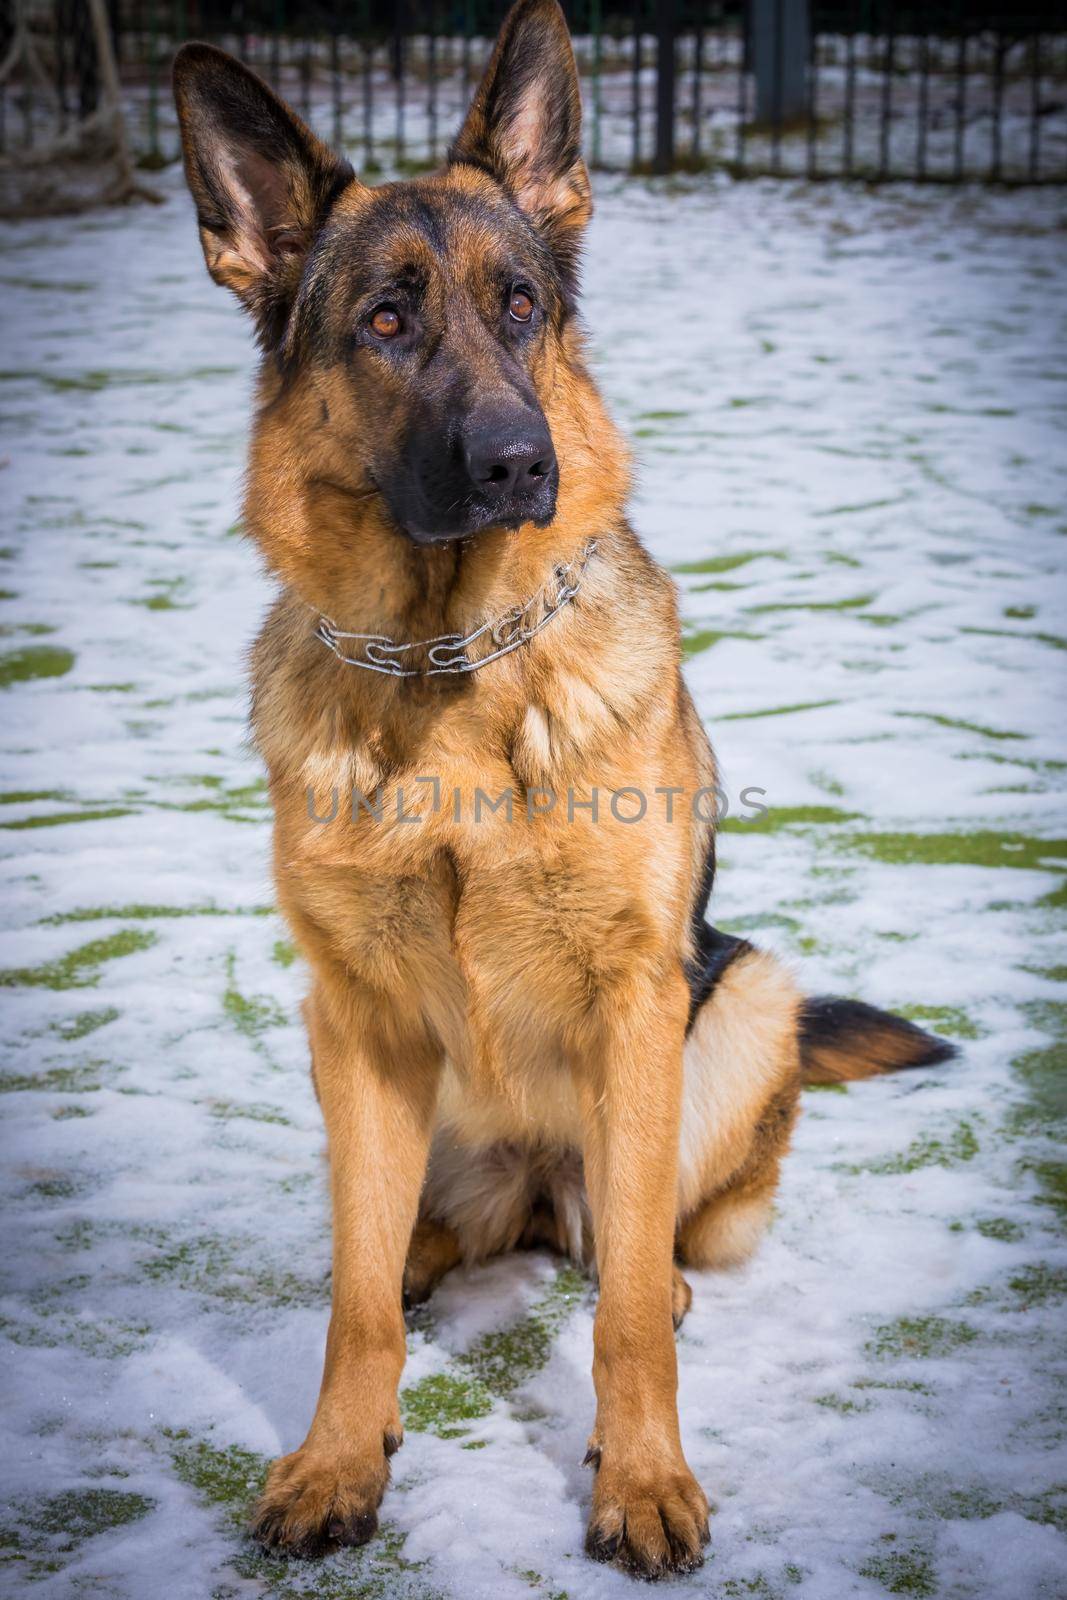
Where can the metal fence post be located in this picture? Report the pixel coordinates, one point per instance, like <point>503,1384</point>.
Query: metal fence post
<point>666,35</point>
<point>781,49</point>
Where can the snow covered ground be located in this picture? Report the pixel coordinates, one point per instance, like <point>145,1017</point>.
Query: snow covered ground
<point>849,412</point>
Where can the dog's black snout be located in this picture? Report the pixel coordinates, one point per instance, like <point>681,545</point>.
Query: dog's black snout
<point>510,463</point>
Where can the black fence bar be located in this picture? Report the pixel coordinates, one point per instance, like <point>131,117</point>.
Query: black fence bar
<point>666,78</point>
<point>813,107</point>
<point>368,107</point>
<point>398,51</point>
<point>431,69</point>
<point>961,91</point>
<point>335,77</point>
<point>850,85</point>
<point>998,107</point>
<point>698,79</point>
<point>887,92</point>
<point>924,106</point>
<point>742,98</point>
<point>1035,106</point>
<point>778,48</point>
<point>635,81</point>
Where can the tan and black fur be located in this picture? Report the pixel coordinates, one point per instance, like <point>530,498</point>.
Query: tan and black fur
<point>522,1031</point>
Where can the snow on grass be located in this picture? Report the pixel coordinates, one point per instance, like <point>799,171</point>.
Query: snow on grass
<point>848,412</point>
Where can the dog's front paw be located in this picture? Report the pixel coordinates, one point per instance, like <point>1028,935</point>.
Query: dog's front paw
<point>649,1523</point>
<point>316,1500</point>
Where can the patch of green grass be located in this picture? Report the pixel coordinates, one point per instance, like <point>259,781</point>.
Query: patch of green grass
<point>231,1271</point>
<point>284,952</point>
<point>443,1403</point>
<point>927,1338</point>
<point>737,1588</point>
<point>79,969</point>
<point>1043,1072</point>
<point>54,1080</point>
<point>775,818</point>
<point>228,1477</point>
<point>250,1015</point>
<point>860,505</point>
<point>60,1186</point>
<point>74,1516</point>
<point>961,726</point>
<point>960,1145</point>
<point>950,1502</point>
<point>776,711</point>
<point>245,802</point>
<point>841,1404</point>
<point>35,630</point>
<point>907,1572</point>
<point>148,913</point>
<point>69,1113</point>
<point>32,662</point>
<point>854,603</point>
<point>694,640</point>
<point>1054,640</point>
<point>1002,1228</point>
<point>227,1109</point>
<point>1038,1284</point>
<point>1051,1178</point>
<point>726,563</point>
<point>942,1019</point>
<point>905,1385</point>
<point>159,602</point>
<point>495,1365</point>
<point>106,1338</point>
<point>86,1022</point>
<point>508,1357</point>
<point>98,378</point>
<point>982,848</point>
<point>57,819</point>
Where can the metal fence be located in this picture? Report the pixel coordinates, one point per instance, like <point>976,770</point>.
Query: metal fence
<point>867,89</point>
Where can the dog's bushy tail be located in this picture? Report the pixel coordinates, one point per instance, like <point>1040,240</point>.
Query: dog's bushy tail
<point>842,1040</point>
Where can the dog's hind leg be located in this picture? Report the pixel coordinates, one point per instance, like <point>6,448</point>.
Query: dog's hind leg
<point>754,1041</point>
<point>742,1087</point>
<point>681,1299</point>
<point>433,1251</point>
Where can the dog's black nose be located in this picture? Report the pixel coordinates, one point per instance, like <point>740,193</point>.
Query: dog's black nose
<point>510,463</point>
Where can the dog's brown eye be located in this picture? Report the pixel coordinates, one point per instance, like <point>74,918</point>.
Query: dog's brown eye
<point>385,322</point>
<point>520,305</point>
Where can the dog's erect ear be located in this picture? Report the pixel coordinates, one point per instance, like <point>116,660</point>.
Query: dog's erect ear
<point>261,180</point>
<point>525,123</point>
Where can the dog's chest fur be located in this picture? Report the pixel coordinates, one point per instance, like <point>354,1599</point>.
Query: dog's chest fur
<point>496,918</point>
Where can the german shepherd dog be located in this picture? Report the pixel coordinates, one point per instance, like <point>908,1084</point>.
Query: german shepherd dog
<point>522,1028</point>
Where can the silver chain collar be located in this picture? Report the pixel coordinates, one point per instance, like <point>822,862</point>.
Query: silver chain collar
<point>449,652</point>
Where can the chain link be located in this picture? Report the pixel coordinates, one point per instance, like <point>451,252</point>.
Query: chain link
<point>449,653</point>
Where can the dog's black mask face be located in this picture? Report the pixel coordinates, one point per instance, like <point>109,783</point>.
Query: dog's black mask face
<point>434,307</point>
<point>428,314</point>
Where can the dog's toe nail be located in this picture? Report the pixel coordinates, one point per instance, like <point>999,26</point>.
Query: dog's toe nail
<point>602,1546</point>
<point>359,1529</point>
<point>592,1457</point>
